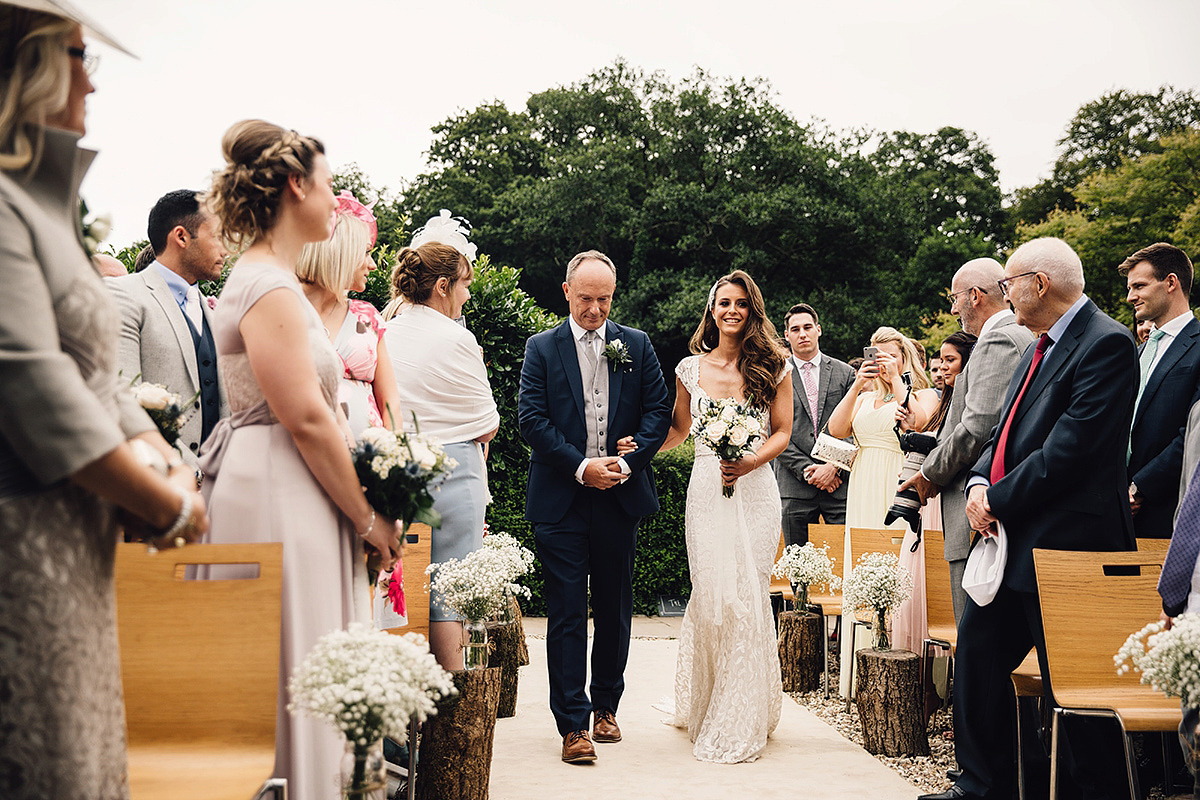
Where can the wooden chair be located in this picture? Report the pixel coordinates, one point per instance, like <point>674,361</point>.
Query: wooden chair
<point>863,541</point>
<point>200,667</point>
<point>939,604</point>
<point>1080,646</point>
<point>416,596</point>
<point>1153,546</point>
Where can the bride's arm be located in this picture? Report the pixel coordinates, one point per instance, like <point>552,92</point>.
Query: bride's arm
<point>681,417</point>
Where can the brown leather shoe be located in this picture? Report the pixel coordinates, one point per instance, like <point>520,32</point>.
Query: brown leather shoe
<point>577,748</point>
<point>604,728</point>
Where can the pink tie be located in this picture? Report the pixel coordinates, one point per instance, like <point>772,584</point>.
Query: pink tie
<point>810,389</point>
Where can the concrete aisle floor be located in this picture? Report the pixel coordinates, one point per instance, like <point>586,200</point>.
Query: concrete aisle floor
<point>805,759</point>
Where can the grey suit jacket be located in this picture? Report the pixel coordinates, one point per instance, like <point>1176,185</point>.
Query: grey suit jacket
<point>835,380</point>
<point>974,411</point>
<point>1191,453</point>
<point>156,342</point>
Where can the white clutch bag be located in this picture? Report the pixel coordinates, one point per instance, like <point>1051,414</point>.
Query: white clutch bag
<point>835,451</point>
<point>985,567</point>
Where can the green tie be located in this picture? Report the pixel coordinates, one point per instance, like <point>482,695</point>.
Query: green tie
<point>1147,358</point>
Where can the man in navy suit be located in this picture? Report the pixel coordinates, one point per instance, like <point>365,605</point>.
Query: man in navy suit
<point>584,385</point>
<point>1159,278</point>
<point>1054,474</point>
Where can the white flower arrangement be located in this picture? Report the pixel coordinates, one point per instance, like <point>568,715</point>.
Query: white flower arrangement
<point>368,684</point>
<point>1169,660</point>
<point>397,471</point>
<point>728,428</point>
<point>165,408</point>
<point>806,566</point>
<point>877,583</point>
<point>479,585</point>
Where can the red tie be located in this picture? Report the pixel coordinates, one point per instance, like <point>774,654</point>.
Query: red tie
<point>998,470</point>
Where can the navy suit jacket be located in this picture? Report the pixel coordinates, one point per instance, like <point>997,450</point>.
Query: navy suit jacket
<point>1065,484</point>
<point>1156,456</point>
<point>550,413</point>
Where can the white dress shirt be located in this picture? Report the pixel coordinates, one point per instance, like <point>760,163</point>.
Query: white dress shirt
<point>578,331</point>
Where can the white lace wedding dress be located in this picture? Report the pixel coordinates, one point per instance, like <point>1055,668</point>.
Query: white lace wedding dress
<point>728,692</point>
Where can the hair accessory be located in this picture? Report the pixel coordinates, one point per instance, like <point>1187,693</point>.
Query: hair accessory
<point>349,205</point>
<point>712,294</point>
<point>448,230</point>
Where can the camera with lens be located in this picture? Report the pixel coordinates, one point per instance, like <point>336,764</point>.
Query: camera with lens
<point>907,504</point>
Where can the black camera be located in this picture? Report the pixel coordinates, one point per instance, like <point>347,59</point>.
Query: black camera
<point>907,504</point>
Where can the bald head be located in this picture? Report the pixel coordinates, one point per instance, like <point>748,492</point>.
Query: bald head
<point>977,295</point>
<point>108,266</point>
<point>1056,260</point>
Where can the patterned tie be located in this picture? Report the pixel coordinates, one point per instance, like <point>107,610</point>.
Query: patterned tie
<point>998,456</point>
<point>810,389</point>
<point>192,307</point>
<point>1175,581</point>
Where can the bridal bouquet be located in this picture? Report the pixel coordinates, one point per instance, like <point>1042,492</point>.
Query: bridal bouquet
<point>165,408</point>
<point>805,566</point>
<point>1169,660</point>
<point>369,684</point>
<point>728,428</point>
<point>877,583</point>
<point>397,470</point>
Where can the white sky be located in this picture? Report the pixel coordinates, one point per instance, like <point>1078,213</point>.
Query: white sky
<point>370,78</point>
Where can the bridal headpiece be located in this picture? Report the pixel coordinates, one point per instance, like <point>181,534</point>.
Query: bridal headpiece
<point>348,204</point>
<point>448,230</point>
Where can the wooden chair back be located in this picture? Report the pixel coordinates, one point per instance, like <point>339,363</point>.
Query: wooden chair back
<point>416,596</point>
<point>872,540</point>
<point>939,605</point>
<point>833,536</point>
<point>199,658</point>
<point>1153,545</point>
<point>1088,612</point>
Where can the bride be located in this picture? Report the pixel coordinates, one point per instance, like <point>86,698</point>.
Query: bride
<point>727,687</point>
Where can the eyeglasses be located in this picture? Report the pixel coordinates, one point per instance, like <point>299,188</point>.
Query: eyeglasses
<point>1006,283</point>
<point>953,296</point>
<point>90,60</point>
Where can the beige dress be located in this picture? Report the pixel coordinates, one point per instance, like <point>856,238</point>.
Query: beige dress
<point>264,492</point>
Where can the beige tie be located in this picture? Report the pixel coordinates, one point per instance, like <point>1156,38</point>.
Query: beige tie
<point>192,307</point>
<point>589,348</point>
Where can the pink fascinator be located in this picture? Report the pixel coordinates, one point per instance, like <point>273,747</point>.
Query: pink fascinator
<point>348,204</point>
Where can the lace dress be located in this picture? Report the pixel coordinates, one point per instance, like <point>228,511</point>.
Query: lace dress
<point>728,692</point>
<point>357,343</point>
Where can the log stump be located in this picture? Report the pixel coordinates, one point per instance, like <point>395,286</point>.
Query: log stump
<point>801,657</point>
<point>890,703</point>
<point>455,761</point>
<point>504,639</point>
<point>514,613</point>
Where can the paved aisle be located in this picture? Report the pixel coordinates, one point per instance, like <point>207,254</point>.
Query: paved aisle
<point>805,759</point>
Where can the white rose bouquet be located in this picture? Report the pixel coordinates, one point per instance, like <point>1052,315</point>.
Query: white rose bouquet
<point>369,684</point>
<point>806,566</point>
<point>397,470</point>
<point>1169,660</point>
<point>164,407</point>
<point>877,583</point>
<point>728,428</point>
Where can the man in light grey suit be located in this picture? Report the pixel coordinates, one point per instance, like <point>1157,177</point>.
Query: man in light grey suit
<point>165,335</point>
<point>975,298</point>
<point>810,489</point>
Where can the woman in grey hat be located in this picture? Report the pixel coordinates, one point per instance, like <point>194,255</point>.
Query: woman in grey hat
<point>67,468</point>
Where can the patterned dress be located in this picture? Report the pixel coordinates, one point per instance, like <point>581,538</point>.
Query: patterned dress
<point>357,343</point>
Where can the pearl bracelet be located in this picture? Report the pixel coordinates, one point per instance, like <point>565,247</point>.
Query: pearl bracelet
<point>183,520</point>
<point>370,525</point>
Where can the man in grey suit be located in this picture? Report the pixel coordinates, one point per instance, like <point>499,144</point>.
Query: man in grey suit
<point>165,334</point>
<point>976,300</point>
<point>810,489</point>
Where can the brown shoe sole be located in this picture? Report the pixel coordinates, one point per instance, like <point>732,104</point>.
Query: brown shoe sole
<point>582,758</point>
<point>605,739</point>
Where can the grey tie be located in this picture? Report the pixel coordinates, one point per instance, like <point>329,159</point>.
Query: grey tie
<point>589,349</point>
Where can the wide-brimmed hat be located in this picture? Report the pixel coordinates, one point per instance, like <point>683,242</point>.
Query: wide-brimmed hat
<point>61,8</point>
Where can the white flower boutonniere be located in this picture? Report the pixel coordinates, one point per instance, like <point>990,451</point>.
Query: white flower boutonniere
<point>617,353</point>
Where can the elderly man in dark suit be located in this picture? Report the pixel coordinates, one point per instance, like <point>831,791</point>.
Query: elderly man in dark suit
<point>975,298</point>
<point>1159,278</point>
<point>1054,474</point>
<point>584,385</point>
<point>808,488</point>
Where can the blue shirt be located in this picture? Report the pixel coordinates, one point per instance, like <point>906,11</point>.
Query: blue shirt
<point>175,282</point>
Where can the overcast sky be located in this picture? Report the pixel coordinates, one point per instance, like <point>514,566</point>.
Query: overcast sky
<point>371,78</point>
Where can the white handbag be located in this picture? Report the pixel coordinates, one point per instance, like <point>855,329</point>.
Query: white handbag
<point>985,567</point>
<point>838,452</point>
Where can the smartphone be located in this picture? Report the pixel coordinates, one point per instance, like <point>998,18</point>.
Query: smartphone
<point>869,353</point>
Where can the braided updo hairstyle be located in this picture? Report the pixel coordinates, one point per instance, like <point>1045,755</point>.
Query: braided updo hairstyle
<point>259,158</point>
<point>418,270</point>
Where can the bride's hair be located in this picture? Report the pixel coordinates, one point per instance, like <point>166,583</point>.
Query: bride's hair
<point>761,360</point>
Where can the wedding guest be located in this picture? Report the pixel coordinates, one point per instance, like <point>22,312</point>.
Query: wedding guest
<point>279,469</point>
<point>67,468</point>
<point>445,385</point>
<point>329,270</point>
<point>107,266</point>
<point>145,258</point>
<point>1142,330</point>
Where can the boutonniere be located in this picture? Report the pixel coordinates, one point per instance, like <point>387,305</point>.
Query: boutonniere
<point>617,353</point>
<point>212,302</point>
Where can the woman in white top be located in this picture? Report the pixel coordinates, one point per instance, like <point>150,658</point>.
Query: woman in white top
<point>443,381</point>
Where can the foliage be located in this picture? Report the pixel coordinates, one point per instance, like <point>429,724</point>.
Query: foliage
<point>937,330</point>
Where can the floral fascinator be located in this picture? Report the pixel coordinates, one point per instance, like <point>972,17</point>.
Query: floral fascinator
<point>448,230</point>
<point>348,204</point>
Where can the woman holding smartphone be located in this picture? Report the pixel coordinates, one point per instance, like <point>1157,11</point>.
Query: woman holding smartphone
<point>869,411</point>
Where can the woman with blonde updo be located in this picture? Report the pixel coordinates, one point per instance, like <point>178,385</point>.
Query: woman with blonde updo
<point>444,382</point>
<point>869,412</point>
<point>278,469</point>
<point>330,270</point>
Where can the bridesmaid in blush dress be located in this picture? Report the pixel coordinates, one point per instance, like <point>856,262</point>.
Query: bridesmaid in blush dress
<point>279,469</point>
